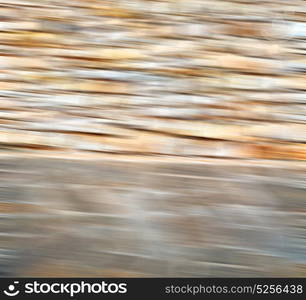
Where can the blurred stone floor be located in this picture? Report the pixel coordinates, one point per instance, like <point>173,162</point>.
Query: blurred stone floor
<point>91,218</point>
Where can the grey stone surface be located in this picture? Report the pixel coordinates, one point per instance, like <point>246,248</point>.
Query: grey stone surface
<point>61,217</point>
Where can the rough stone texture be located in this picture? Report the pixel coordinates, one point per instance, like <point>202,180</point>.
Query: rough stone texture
<point>152,138</point>
<point>188,78</point>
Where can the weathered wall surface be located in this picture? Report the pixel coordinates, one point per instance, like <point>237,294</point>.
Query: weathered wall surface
<point>152,138</point>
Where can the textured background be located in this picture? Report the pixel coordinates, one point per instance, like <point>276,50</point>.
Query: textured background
<point>152,138</point>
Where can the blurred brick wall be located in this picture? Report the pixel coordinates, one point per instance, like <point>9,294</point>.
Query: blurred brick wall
<point>187,78</point>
